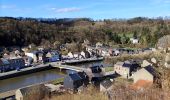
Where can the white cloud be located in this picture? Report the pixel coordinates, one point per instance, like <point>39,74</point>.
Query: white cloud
<point>65,10</point>
<point>7,6</point>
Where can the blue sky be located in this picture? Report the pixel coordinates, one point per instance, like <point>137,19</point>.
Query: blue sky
<point>96,9</point>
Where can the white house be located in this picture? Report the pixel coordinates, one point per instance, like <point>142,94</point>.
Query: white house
<point>83,54</point>
<point>70,55</point>
<point>98,44</point>
<point>134,41</point>
<point>32,55</point>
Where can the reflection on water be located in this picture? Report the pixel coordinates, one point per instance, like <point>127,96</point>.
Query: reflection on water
<point>25,80</point>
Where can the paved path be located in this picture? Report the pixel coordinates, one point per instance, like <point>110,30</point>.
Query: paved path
<point>23,70</point>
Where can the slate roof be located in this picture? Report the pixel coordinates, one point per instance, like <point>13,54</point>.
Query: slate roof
<point>151,70</point>
<point>127,65</point>
<point>106,83</point>
<point>75,77</point>
<point>83,75</point>
<point>4,61</point>
<point>96,69</point>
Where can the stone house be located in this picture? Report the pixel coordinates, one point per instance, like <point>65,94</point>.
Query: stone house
<point>35,92</point>
<point>147,73</point>
<point>72,82</point>
<point>125,69</point>
<point>96,74</point>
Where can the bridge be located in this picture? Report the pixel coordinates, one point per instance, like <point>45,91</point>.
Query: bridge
<point>66,67</point>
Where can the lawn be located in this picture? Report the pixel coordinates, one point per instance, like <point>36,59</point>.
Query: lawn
<point>58,81</point>
<point>108,69</point>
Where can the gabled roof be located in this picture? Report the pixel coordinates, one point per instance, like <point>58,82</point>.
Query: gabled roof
<point>151,70</point>
<point>83,75</point>
<point>106,83</point>
<point>127,65</point>
<point>75,77</point>
<point>147,69</point>
<point>5,61</point>
<point>96,69</point>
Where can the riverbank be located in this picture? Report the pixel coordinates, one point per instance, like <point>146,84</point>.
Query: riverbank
<point>25,71</point>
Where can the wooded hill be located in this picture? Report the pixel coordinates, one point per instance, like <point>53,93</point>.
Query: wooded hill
<point>23,31</point>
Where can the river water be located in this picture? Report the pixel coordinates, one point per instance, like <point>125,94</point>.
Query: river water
<point>38,77</point>
<point>29,79</point>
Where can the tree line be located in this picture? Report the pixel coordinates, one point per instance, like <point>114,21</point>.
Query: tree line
<point>39,31</point>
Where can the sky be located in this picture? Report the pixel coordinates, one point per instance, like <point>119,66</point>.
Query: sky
<point>95,9</point>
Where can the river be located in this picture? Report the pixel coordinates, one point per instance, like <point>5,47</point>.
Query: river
<point>29,79</point>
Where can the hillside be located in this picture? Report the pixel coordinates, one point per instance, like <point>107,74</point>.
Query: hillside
<point>24,31</point>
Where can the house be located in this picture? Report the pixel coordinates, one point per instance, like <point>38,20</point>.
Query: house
<point>4,65</point>
<point>85,54</point>
<point>147,73</point>
<point>70,55</point>
<point>153,60</point>
<point>126,69</point>
<point>145,63</point>
<point>17,63</point>
<point>86,43</point>
<point>53,56</point>
<point>105,52</point>
<point>116,52</point>
<point>84,77</point>
<point>72,82</point>
<point>33,55</point>
<point>37,56</point>
<point>28,60</point>
<point>35,92</point>
<point>95,74</point>
<point>98,44</point>
<point>106,85</point>
<point>134,41</point>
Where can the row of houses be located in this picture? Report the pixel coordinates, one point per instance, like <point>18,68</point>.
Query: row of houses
<point>77,55</point>
<point>44,56</point>
<point>108,51</point>
<point>16,61</point>
<point>11,64</point>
